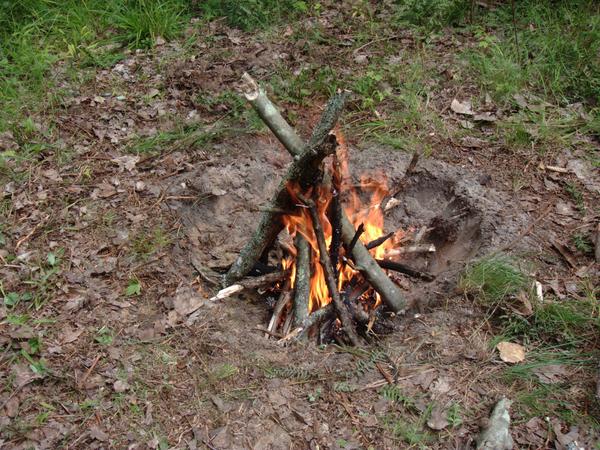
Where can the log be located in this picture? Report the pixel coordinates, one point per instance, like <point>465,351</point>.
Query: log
<point>257,97</point>
<point>336,231</point>
<point>304,171</point>
<point>316,318</point>
<point>338,305</point>
<point>366,265</point>
<point>302,281</point>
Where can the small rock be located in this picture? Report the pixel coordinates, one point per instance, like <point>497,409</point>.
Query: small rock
<point>120,386</point>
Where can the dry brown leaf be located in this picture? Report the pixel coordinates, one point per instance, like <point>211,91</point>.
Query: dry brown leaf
<point>511,353</point>
<point>462,107</point>
<point>438,420</point>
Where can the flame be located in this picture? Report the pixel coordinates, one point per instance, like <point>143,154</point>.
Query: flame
<point>369,214</point>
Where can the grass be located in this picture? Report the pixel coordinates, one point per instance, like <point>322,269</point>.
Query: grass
<point>493,278</point>
<point>555,52</point>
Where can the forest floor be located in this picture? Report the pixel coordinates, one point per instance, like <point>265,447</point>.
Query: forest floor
<point>152,165</point>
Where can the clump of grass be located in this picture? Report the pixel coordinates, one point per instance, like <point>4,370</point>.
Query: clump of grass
<point>432,14</point>
<point>141,22</point>
<point>493,278</point>
<point>252,14</point>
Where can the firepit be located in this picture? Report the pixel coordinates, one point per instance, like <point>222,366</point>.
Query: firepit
<point>395,233</point>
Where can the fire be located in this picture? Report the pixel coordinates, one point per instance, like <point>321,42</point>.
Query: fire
<point>369,214</point>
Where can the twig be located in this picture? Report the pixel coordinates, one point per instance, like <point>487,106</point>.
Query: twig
<point>283,300</point>
<point>403,268</point>
<point>380,240</point>
<point>270,333</point>
<point>89,371</point>
<point>360,230</point>
<point>33,230</point>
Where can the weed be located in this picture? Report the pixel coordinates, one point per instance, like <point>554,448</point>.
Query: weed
<point>134,287</point>
<point>557,52</point>
<point>141,22</point>
<point>252,14</point>
<point>431,14</point>
<point>454,415</point>
<point>224,371</point>
<point>582,243</point>
<point>567,322</point>
<point>576,195</point>
<point>182,137</point>
<point>493,278</point>
<point>147,243</point>
<point>104,336</point>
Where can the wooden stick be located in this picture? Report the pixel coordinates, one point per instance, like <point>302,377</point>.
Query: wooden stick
<point>340,310</point>
<point>360,230</point>
<point>269,114</point>
<point>403,268</point>
<point>246,283</point>
<point>380,240</point>
<point>315,318</point>
<point>283,300</point>
<point>304,171</point>
<point>365,263</point>
<point>302,281</point>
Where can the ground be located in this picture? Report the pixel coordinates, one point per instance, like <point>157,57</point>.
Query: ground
<point>151,169</point>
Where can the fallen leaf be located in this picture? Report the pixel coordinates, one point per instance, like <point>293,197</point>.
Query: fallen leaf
<point>98,434</point>
<point>187,300</point>
<point>438,420</point>
<point>511,353</point>
<point>70,334</point>
<point>462,108</point>
<point>484,117</point>
<point>126,162</point>
<point>551,373</point>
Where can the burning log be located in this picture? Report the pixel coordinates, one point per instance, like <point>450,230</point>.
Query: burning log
<point>373,273</point>
<point>303,171</point>
<point>340,310</point>
<point>302,281</point>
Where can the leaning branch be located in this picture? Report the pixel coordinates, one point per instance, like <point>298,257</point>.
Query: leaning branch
<point>267,111</point>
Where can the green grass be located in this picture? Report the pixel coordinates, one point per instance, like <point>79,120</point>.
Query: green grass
<point>493,278</point>
<point>555,52</point>
<point>253,14</point>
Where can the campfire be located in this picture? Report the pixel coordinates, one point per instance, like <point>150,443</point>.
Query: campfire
<point>332,277</point>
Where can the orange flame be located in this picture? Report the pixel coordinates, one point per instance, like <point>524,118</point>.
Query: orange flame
<point>370,215</point>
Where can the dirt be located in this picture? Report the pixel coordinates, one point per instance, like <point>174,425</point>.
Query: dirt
<point>131,370</point>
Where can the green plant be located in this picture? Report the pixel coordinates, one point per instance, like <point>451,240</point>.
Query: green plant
<point>582,243</point>
<point>134,287</point>
<point>141,22</point>
<point>493,278</point>
<point>554,53</point>
<point>252,14</point>
<point>576,195</point>
<point>147,243</point>
<point>431,14</point>
<point>454,415</point>
<point>104,336</point>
